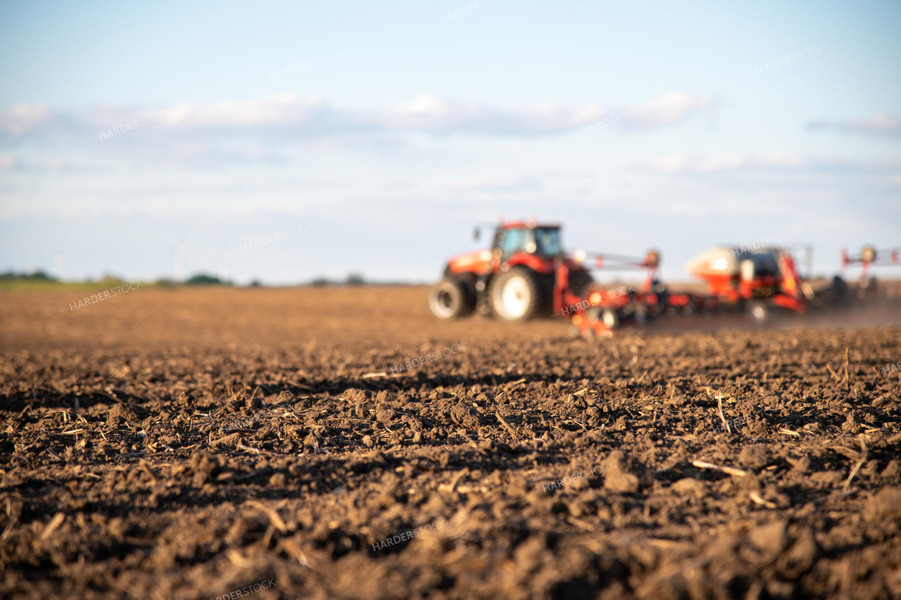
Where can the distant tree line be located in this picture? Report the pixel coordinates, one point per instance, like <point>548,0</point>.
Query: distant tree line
<point>42,276</point>
<point>352,279</point>
<point>198,279</point>
<point>33,276</point>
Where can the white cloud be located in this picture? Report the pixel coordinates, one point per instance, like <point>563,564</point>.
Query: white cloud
<point>430,114</point>
<point>313,117</point>
<point>670,108</point>
<point>425,105</point>
<point>23,118</point>
<point>282,109</point>
<point>882,125</point>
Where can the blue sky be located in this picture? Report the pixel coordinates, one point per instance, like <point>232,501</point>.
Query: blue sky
<point>373,136</point>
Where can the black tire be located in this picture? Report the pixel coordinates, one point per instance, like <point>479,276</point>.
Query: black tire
<point>839,293</point>
<point>480,293</point>
<point>516,295</point>
<point>450,298</point>
<point>483,308</point>
<point>608,316</point>
<point>658,309</point>
<point>580,283</point>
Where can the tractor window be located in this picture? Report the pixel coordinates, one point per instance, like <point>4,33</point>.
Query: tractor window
<point>513,242</point>
<point>543,242</point>
<point>548,241</point>
<point>498,238</point>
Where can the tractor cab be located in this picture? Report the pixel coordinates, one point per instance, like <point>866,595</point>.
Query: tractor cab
<point>543,242</point>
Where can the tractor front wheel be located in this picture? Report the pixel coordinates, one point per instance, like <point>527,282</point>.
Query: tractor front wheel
<point>450,298</point>
<point>515,295</point>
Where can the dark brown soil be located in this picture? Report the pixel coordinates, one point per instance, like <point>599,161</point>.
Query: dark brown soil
<point>188,444</point>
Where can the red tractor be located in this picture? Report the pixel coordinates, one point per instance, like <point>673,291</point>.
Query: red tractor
<point>525,271</point>
<point>515,279</point>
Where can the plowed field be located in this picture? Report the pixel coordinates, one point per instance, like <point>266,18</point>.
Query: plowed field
<point>276,443</point>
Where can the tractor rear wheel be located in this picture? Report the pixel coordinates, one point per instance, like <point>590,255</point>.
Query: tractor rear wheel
<point>450,298</point>
<point>516,294</point>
